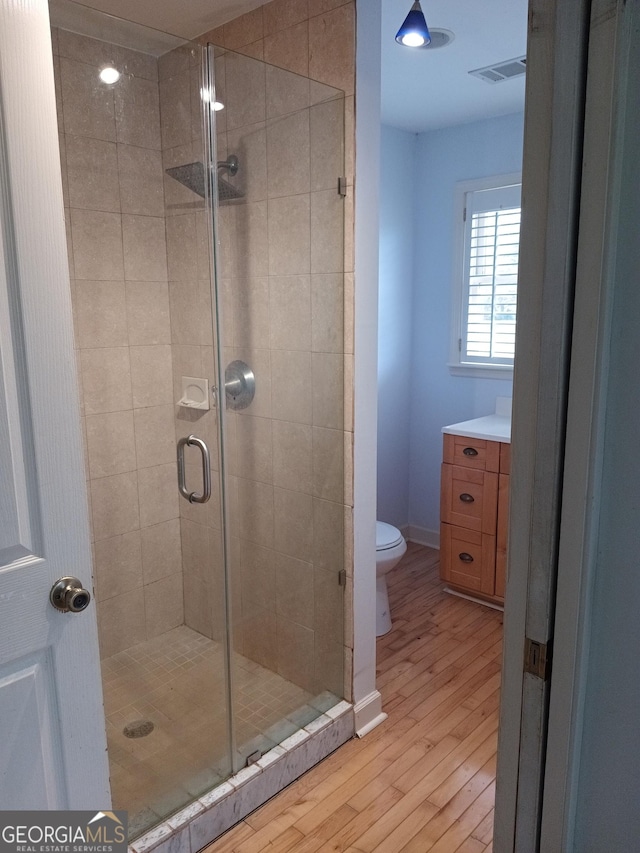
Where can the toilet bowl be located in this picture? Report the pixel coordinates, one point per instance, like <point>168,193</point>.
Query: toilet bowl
<point>390,547</point>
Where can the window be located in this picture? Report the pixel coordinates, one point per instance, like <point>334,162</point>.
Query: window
<point>486,276</point>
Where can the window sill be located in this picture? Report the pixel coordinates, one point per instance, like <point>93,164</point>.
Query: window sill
<point>482,371</point>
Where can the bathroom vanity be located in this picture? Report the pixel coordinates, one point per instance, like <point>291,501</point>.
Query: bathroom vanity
<point>474,506</point>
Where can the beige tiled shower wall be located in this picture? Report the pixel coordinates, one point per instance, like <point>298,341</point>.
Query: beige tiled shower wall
<point>110,143</point>
<point>286,270</point>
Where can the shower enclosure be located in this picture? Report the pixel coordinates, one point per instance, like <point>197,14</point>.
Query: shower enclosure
<point>205,235</point>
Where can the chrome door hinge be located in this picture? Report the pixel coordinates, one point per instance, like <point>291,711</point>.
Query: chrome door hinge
<point>342,187</point>
<point>537,658</point>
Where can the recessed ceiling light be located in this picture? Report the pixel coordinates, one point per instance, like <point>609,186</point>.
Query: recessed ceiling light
<point>205,94</point>
<point>109,75</point>
<point>439,38</point>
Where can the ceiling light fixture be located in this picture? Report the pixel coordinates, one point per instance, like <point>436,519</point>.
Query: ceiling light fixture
<point>414,32</point>
<point>109,75</point>
<point>205,94</point>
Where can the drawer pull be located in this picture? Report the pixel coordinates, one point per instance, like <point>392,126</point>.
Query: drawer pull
<point>466,498</point>
<point>466,558</point>
<point>470,451</point>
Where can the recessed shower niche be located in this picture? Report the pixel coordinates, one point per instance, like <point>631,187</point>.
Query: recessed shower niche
<point>201,238</point>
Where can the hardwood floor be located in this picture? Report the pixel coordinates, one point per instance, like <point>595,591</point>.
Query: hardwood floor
<point>424,780</point>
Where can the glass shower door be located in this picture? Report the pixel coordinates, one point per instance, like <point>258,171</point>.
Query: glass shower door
<point>130,112</point>
<point>279,141</point>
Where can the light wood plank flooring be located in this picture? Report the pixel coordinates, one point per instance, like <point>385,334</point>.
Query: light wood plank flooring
<point>424,780</point>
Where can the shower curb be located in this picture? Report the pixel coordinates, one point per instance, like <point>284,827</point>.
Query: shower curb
<point>205,819</point>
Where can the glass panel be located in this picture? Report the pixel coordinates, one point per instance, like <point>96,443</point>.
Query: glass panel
<point>280,280</point>
<point>141,287</point>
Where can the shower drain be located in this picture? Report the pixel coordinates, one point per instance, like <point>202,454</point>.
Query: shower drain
<point>138,728</point>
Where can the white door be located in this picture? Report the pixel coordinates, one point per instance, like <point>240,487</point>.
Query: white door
<point>52,744</point>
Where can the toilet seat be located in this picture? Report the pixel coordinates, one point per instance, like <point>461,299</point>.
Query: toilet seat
<point>387,536</point>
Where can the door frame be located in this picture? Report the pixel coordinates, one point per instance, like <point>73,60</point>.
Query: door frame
<point>552,163</point>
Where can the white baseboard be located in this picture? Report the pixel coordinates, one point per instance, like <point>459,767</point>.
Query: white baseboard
<point>368,713</point>
<point>422,536</point>
<point>493,604</point>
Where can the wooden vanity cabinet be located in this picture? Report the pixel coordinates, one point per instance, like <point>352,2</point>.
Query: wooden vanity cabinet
<point>474,505</point>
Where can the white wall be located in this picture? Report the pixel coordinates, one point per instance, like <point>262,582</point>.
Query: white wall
<point>397,224</point>
<point>464,152</point>
<point>368,701</point>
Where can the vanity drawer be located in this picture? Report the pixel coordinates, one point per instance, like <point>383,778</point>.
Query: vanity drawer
<point>468,559</point>
<point>472,452</point>
<point>469,498</point>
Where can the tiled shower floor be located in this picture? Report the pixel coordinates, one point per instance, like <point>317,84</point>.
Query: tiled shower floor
<point>177,681</point>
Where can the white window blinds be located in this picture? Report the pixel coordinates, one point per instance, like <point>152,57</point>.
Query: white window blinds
<point>490,285</point>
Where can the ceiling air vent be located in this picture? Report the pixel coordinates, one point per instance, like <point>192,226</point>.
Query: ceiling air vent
<point>502,70</point>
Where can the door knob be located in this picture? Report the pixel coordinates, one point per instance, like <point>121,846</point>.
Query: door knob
<point>69,596</point>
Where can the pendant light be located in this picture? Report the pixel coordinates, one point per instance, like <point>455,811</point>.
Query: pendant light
<point>414,32</point>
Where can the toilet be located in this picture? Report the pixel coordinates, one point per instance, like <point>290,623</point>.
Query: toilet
<point>390,547</point>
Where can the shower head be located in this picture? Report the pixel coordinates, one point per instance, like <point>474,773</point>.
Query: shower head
<point>192,175</point>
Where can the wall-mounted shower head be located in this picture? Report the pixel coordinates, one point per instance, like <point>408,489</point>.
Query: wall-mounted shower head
<point>192,175</point>
<point>231,164</point>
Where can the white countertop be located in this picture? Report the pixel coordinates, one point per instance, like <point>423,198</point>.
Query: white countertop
<point>492,428</point>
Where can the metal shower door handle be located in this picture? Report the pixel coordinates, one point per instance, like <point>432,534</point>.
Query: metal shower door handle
<point>194,497</point>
